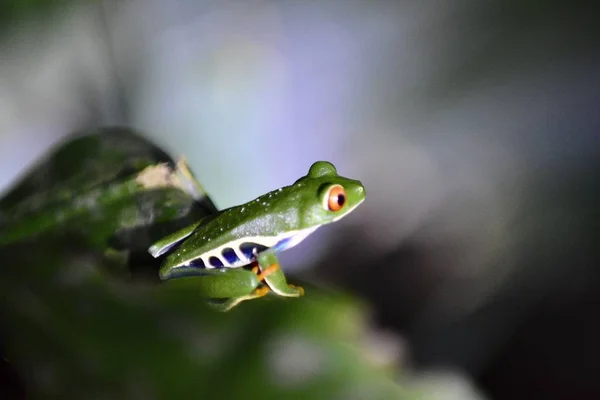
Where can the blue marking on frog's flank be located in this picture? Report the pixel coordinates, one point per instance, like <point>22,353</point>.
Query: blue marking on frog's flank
<point>282,244</point>
<point>229,255</point>
<point>197,263</point>
<point>215,262</point>
<point>247,249</point>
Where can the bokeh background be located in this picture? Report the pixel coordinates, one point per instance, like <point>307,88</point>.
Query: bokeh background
<point>473,125</point>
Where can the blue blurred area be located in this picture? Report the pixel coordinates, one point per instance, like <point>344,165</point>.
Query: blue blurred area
<point>473,126</point>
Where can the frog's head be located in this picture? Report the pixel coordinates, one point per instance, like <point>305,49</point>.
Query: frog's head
<point>326,196</point>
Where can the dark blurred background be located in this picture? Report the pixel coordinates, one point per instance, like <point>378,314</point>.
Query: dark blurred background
<point>473,125</point>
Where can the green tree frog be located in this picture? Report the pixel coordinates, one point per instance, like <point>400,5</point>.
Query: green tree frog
<point>231,255</point>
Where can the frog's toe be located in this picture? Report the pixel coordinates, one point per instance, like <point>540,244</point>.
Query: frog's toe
<point>298,289</point>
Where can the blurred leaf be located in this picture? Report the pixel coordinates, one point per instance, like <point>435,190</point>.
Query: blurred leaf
<point>15,10</point>
<point>72,334</point>
<point>129,190</point>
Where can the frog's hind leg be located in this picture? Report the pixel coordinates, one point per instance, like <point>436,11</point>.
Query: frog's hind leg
<point>224,288</point>
<point>256,293</point>
<point>230,303</point>
<point>261,276</point>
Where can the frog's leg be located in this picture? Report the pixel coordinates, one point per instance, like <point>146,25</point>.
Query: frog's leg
<point>262,275</point>
<point>235,285</point>
<point>165,244</point>
<point>215,283</point>
<point>234,301</point>
<point>274,277</point>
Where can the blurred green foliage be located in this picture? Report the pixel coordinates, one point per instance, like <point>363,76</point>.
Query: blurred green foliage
<point>12,11</point>
<point>71,330</point>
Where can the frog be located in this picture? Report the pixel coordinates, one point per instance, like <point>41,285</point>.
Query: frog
<point>231,255</point>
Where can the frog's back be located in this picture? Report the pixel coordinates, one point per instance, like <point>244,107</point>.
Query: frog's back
<point>234,237</point>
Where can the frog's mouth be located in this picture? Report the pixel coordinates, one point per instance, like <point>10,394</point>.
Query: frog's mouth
<point>337,218</point>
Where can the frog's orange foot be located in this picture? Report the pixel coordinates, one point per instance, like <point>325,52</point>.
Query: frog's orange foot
<point>260,292</point>
<point>268,271</point>
<point>300,289</point>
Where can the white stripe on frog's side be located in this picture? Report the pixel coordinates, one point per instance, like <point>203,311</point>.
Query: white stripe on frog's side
<point>287,240</point>
<point>295,238</point>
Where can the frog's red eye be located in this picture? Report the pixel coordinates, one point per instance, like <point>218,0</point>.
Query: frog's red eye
<point>336,198</point>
